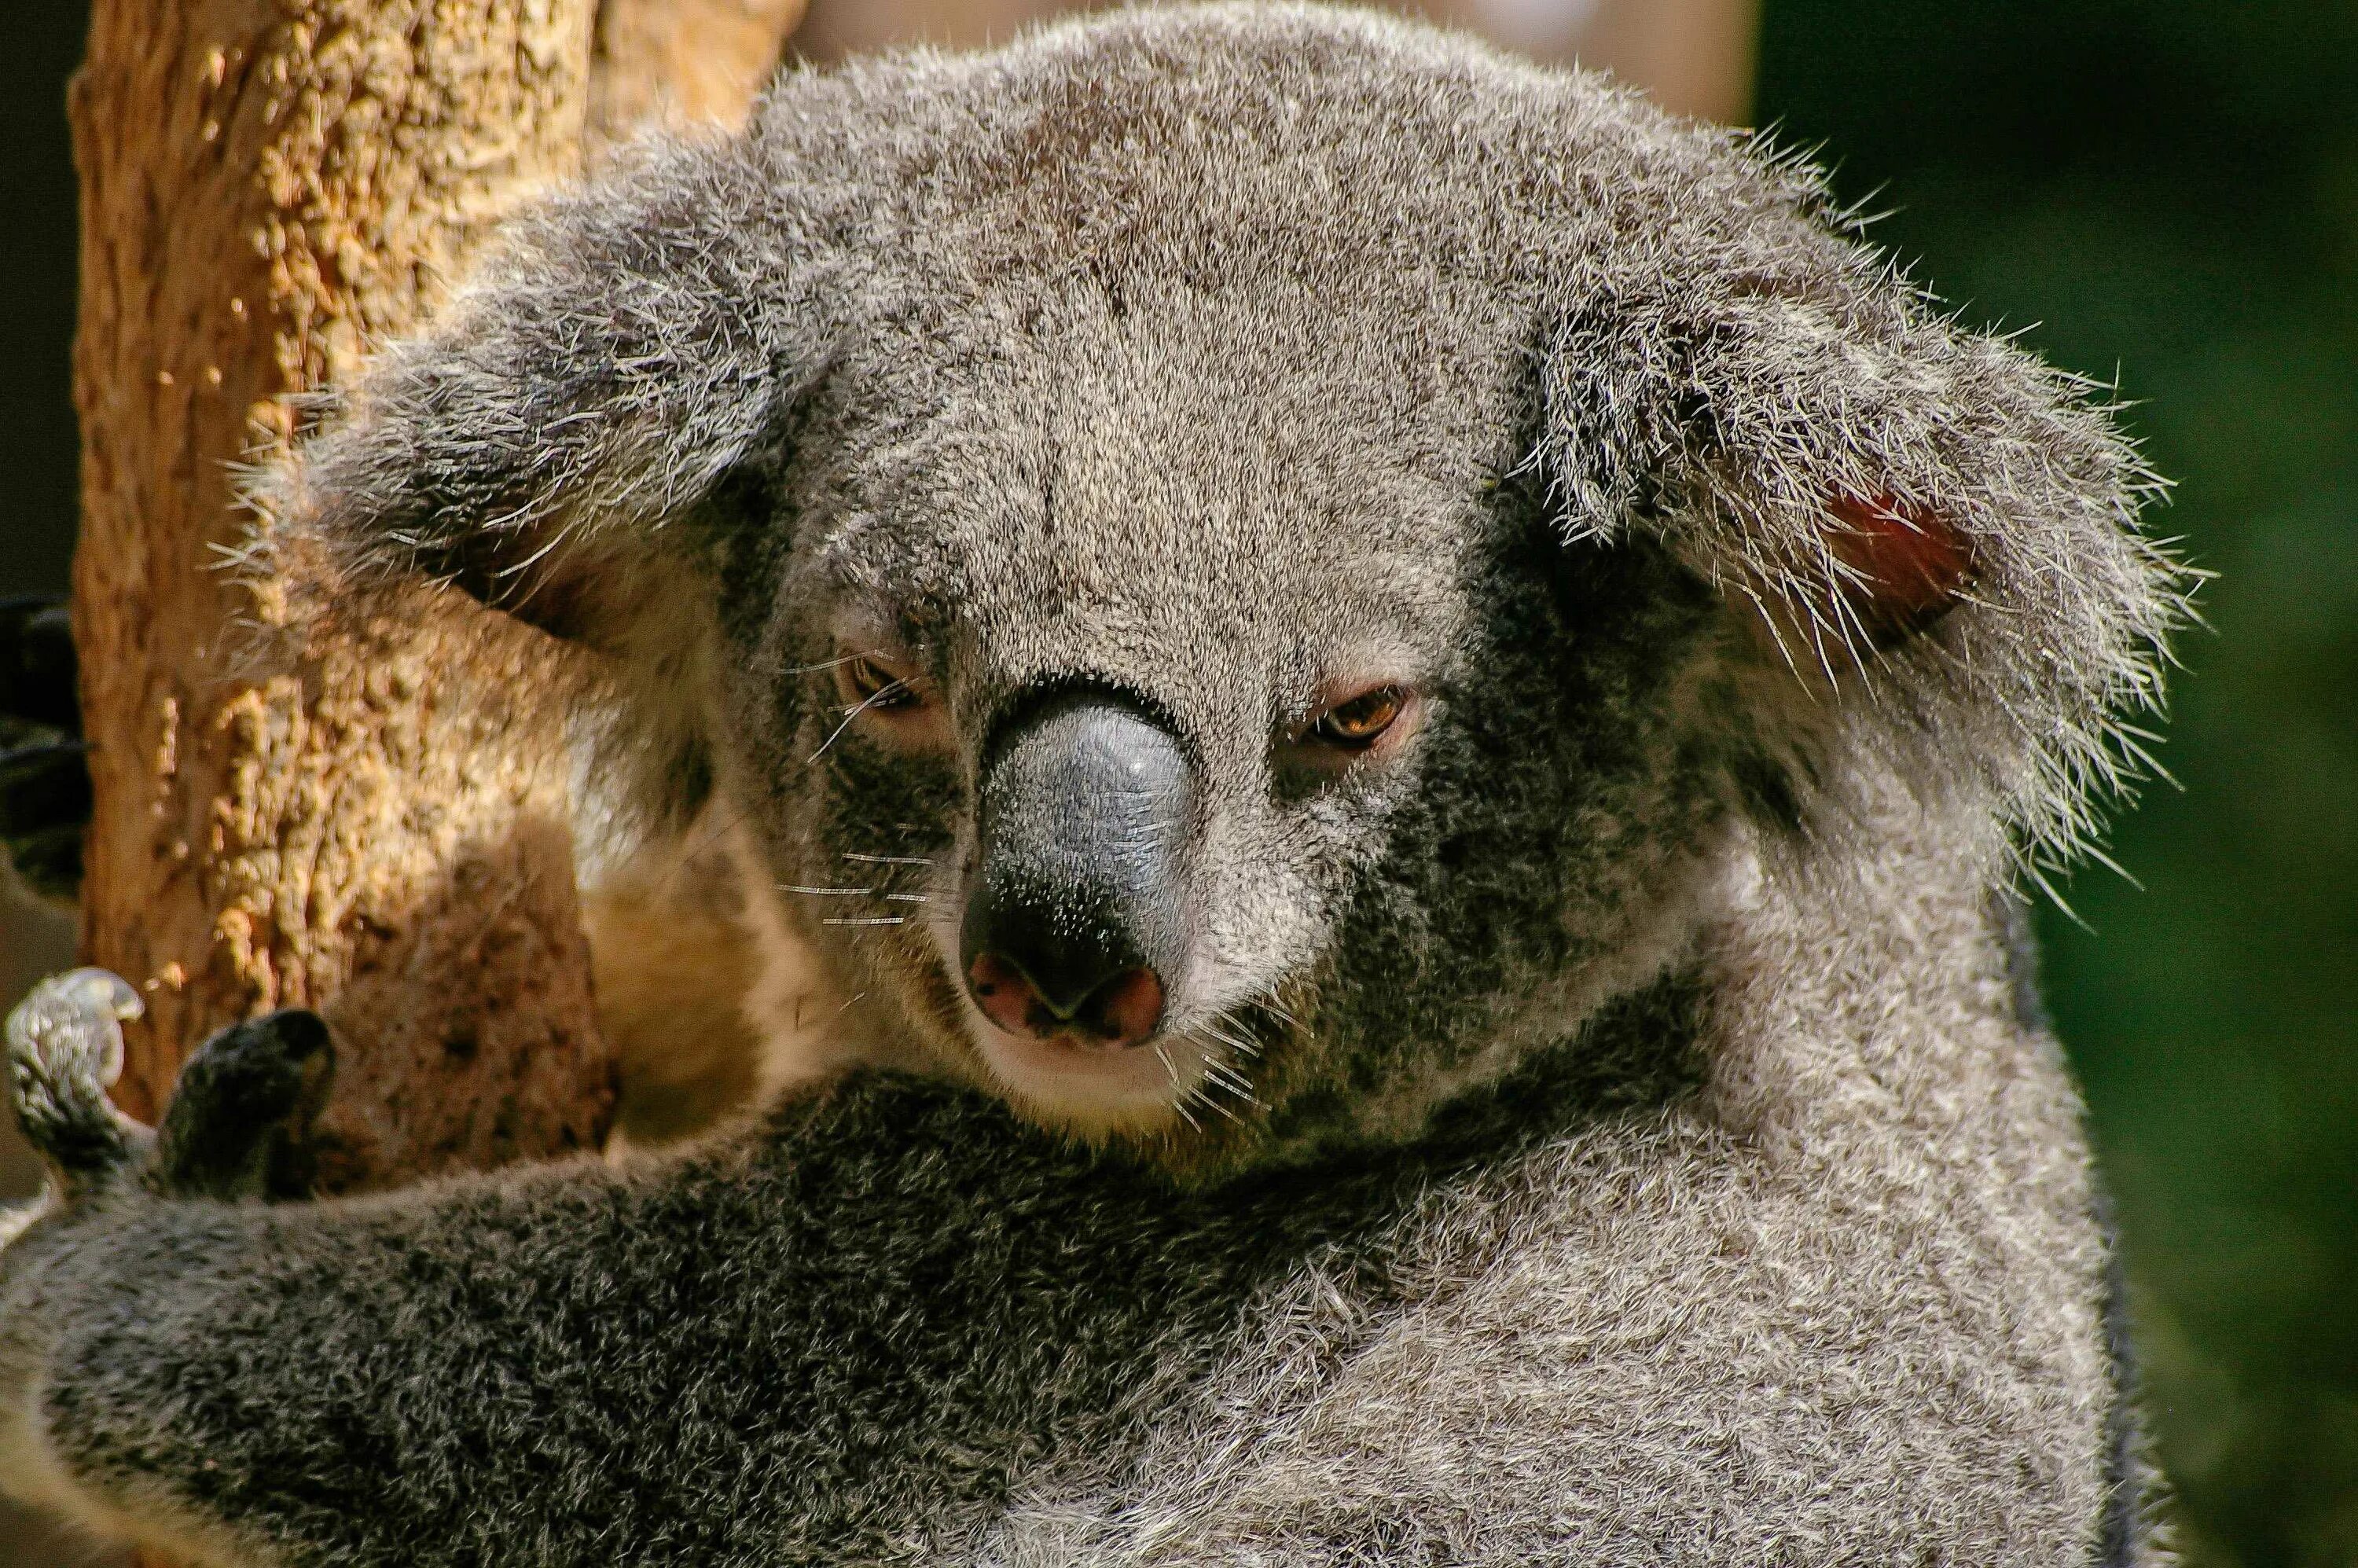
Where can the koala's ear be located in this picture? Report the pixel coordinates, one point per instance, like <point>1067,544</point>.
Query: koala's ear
<point>617,353</point>
<point>1930,535</point>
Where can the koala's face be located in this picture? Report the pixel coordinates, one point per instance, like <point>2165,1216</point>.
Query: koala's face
<point>1138,468</point>
<point>1179,712</point>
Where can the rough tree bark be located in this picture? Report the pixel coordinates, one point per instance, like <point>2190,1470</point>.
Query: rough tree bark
<point>370,820</point>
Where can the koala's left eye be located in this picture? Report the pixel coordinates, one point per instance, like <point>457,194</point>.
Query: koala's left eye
<point>870,683</point>
<point>1356,723</point>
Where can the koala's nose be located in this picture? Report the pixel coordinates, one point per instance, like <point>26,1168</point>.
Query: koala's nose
<point>1120,1011</point>
<point>1079,917</point>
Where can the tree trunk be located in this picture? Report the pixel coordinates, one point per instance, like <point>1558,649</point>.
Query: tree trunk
<point>371,819</point>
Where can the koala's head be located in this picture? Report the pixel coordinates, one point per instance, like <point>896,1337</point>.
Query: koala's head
<point>1244,565</point>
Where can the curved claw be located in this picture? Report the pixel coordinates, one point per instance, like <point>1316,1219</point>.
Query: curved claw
<point>65,1050</point>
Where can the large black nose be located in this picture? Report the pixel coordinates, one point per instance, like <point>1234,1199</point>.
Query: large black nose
<point>1077,921</point>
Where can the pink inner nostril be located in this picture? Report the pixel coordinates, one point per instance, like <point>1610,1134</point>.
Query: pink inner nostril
<point>1122,1012</point>
<point>1006,998</point>
<point>1125,1010</point>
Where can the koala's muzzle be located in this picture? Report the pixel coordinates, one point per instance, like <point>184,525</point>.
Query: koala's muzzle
<point>1077,919</point>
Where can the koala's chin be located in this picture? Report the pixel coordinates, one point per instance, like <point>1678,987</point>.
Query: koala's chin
<point>1095,1090</point>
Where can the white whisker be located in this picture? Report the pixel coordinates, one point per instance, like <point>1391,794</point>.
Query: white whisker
<point>1209,1103</point>
<point>1230,1079</point>
<point>879,695</point>
<point>1241,1044</point>
<point>835,663</point>
<point>1269,1004</point>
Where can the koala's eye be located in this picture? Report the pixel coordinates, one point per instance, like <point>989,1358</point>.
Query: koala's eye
<point>874,684</point>
<point>1356,723</point>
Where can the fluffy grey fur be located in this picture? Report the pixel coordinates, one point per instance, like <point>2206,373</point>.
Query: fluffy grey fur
<point>1604,1127</point>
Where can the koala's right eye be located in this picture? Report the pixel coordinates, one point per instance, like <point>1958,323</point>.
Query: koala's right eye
<point>872,682</point>
<point>892,699</point>
<point>1358,724</point>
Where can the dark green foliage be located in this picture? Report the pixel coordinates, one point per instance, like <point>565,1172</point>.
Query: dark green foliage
<point>2174,185</point>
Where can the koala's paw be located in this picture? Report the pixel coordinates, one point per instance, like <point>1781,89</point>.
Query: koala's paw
<point>238,1124</point>
<point>65,1050</point>
<point>45,795</point>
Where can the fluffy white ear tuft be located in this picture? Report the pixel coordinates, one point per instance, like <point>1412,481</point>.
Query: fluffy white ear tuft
<point>617,353</point>
<point>1931,534</point>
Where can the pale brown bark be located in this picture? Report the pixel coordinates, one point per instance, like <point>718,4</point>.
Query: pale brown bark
<point>370,820</point>
<point>683,60</point>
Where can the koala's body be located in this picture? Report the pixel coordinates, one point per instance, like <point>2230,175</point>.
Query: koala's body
<point>1376,707</point>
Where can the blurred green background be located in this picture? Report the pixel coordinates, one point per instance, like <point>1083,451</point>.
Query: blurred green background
<point>2163,192</point>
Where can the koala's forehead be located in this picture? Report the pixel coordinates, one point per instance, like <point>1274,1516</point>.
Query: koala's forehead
<point>1062,476</point>
<point>1125,352</point>
<point>1191,335</point>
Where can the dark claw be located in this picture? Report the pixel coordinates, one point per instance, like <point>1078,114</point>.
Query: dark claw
<point>237,1124</point>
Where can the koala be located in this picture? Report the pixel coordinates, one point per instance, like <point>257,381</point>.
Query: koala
<point>1377,712</point>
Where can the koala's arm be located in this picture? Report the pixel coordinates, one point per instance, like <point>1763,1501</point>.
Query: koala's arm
<point>716,1359</point>
<point>357,1383</point>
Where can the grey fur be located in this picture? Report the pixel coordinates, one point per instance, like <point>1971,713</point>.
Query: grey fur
<point>1606,1130</point>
